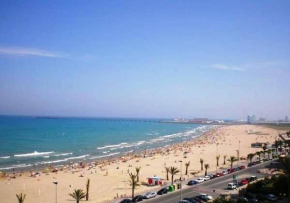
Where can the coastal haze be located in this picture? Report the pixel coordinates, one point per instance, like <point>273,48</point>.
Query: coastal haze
<point>95,89</point>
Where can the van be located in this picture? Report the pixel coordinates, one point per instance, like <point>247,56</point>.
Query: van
<point>231,186</point>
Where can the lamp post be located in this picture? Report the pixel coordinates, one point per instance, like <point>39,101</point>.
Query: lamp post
<point>216,156</point>
<point>239,153</point>
<point>55,191</point>
<point>180,180</point>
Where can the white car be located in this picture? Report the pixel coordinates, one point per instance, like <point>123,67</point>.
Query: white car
<point>206,196</point>
<point>225,172</point>
<point>199,180</point>
<point>206,178</point>
<point>232,186</point>
<point>149,195</point>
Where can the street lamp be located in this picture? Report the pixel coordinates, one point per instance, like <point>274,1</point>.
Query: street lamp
<point>180,180</point>
<point>55,191</point>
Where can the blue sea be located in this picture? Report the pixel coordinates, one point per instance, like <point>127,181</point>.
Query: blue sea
<point>30,142</point>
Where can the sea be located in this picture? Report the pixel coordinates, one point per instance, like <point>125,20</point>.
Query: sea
<point>34,142</point>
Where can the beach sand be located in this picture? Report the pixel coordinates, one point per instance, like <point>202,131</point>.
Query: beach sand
<point>111,179</point>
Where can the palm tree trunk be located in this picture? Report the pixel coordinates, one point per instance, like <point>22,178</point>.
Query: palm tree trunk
<point>172,179</point>
<point>167,176</point>
<point>186,171</point>
<point>132,192</point>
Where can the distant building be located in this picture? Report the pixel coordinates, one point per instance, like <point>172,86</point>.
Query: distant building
<point>262,119</point>
<point>251,119</point>
<point>286,119</point>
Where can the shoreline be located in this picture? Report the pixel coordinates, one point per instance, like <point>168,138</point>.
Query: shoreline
<point>109,178</point>
<point>99,158</point>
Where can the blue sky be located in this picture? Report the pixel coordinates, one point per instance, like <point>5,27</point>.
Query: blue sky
<point>145,58</point>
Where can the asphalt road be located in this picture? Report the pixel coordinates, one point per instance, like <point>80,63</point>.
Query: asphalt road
<point>217,184</point>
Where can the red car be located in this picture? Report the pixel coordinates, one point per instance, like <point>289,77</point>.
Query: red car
<point>231,170</point>
<point>244,182</point>
<point>219,175</point>
<point>243,167</point>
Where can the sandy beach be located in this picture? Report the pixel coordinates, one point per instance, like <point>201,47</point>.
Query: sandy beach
<point>110,179</point>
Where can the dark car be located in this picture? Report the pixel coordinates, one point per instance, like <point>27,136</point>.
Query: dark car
<point>126,201</point>
<point>202,198</point>
<point>253,200</point>
<point>249,195</point>
<point>192,182</point>
<point>137,198</point>
<point>253,178</point>
<point>162,191</point>
<point>211,176</point>
<point>261,197</point>
<point>198,200</point>
<point>242,199</point>
<point>191,200</point>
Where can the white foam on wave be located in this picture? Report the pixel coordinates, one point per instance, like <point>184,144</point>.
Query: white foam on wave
<point>98,157</point>
<point>63,160</point>
<point>16,166</point>
<point>33,154</point>
<point>46,157</point>
<point>5,157</point>
<point>112,146</point>
<point>64,154</point>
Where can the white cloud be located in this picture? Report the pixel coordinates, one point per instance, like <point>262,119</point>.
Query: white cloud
<point>226,67</point>
<point>20,51</point>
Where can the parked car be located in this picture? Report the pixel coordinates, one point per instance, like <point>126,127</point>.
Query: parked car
<point>137,198</point>
<point>198,199</point>
<point>225,172</point>
<point>232,186</point>
<point>219,175</point>
<point>190,200</point>
<point>243,199</point>
<point>243,167</point>
<point>207,197</point>
<point>252,200</point>
<point>252,178</point>
<point>271,197</point>
<point>184,201</point>
<point>149,195</point>
<point>192,182</point>
<point>204,199</point>
<point>206,178</point>
<point>211,176</point>
<point>249,195</point>
<point>229,171</point>
<point>244,182</point>
<point>126,201</point>
<point>162,191</point>
<point>200,180</point>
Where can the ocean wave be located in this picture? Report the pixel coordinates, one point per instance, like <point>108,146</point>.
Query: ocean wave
<point>64,154</point>
<point>5,157</point>
<point>63,160</point>
<point>98,157</point>
<point>33,154</point>
<point>46,157</point>
<point>16,166</point>
<point>112,146</point>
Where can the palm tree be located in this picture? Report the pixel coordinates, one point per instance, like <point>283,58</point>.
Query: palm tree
<point>78,195</point>
<point>238,154</point>
<point>269,152</point>
<point>217,160</point>
<point>232,159</point>
<point>167,171</point>
<point>201,164</point>
<point>21,198</point>
<point>186,167</point>
<point>88,189</point>
<point>206,166</point>
<point>259,155</point>
<point>225,156</point>
<point>173,171</point>
<point>250,157</point>
<point>276,143</point>
<point>133,182</point>
<point>137,172</point>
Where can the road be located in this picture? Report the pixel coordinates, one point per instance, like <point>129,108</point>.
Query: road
<point>217,184</point>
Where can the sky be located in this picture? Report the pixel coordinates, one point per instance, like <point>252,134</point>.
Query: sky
<point>149,59</point>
